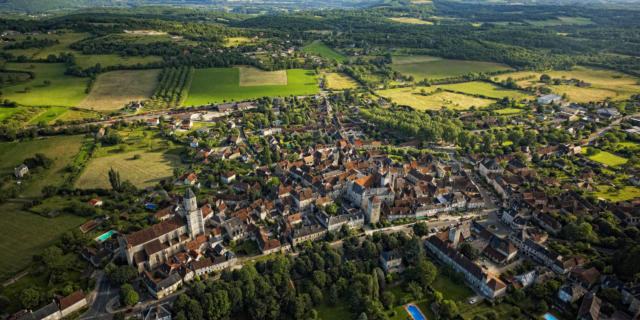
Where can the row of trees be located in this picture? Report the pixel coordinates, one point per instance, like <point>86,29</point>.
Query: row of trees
<point>172,87</point>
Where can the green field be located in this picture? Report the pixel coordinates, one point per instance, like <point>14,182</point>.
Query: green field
<point>610,193</point>
<point>508,111</point>
<point>61,149</point>
<point>222,84</point>
<point>411,20</point>
<point>8,112</point>
<point>340,81</point>
<point>64,38</point>
<point>323,50</point>
<point>483,88</point>
<point>49,115</point>
<point>63,90</point>
<point>412,97</point>
<point>251,76</point>
<point>560,21</point>
<point>24,234</point>
<point>114,89</point>
<point>428,67</point>
<point>107,60</point>
<point>607,158</point>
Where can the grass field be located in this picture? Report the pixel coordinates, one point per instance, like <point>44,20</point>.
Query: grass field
<point>483,88</point>
<point>107,60</point>
<point>65,39</point>
<point>113,90</point>
<point>411,20</point>
<point>508,111</point>
<point>323,50</point>
<point>607,158</point>
<point>610,193</point>
<point>75,114</point>
<point>146,171</point>
<point>604,83</point>
<point>63,90</point>
<point>340,81</point>
<point>428,67</point>
<point>560,21</point>
<point>60,148</point>
<point>49,115</point>
<point>412,98</point>
<point>23,234</point>
<point>222,84</point>
<point>235,41</point>
<point>8,112</point>
<point>250,76</point>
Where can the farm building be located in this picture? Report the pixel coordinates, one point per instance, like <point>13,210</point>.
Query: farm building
<point>550,99</point>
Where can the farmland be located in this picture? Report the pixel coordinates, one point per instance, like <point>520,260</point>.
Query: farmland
<point>484,89</point>
<point>24,234</point>
<point>49,115</point>
<point>250,76</point>
<point>323,50</point>
<point>223,84</point>
<point>8,112</point>
<point>604,83</point>
<point>235,41</point>
<point>107,60</point>
<point>61,149</point>
<point>172,87</point>
<point>339,81</point>
<point>413,98</point>
<point>50,87</point>
<point>428,67</point>
<point>411,20</point>
<point>112,90</point>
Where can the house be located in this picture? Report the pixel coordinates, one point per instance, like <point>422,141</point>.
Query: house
<point>391,261</point>
<point>590,307</point>
<point>48,312</point>
<point>194,143</point>
<point>548,222</point>
<point>585,277</point>
<point>571,293</point>
<point>228,177</point>
<point>95,203</point>
<point>95,258</point>
<point>550,99</point>
<point>160,288</point>
<point>152,121</point>
<point>157,313</point>
<point>490,166</point>
<point>631,296</point>
<point>20,171</point>
<point>100,133</point>
<point>608,113</point>
<point>88,226</point>
<point>307,233</point>
<point>189,179</point>
<point>72,303</point>
<point>187,124</point>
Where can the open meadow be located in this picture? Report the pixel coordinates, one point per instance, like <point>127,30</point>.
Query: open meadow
<point>251,76</point>
<point>604,83</point>
<point>48,115</point>
<point>413,98</point>
<point>340,81</point>
<point>50,87</point>
<point>113,90</point>
<point>223,84</point>
<point>614,195</point>
<point>236,41</point>
<point>61,149</point>
<point>410,20</point>
<point>321,49</point>
<point>607,158</point>
<point>428,67</point>
<point>483,88</point>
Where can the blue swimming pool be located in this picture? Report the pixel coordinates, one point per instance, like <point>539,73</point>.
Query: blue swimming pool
<point>106,236</point>
<point>549,316</point>
<point>415,312</point>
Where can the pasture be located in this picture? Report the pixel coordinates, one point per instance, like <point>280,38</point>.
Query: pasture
<point>428,67</point>
<point>24,234</point>
<point>146,171</point>
<point>436,101</point>
<point>50,87</point>
<point>64,39</point>
<point>76,114</point>
<point>113,90</point>
<point>483,88</point>
<point>61,149</point>
<point>49,115</point>
<point>321,49</point>
<point>251,76</point>
<point>340,81</point>
<point>215,85</point>
<point>607,158</point>
<point>604,83</point>
<point>8,112</point>
<point>107,60</point>
<point>410,20</point>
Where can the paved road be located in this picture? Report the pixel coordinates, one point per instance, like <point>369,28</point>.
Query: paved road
<point>104,294</point>
<point>606,129</point>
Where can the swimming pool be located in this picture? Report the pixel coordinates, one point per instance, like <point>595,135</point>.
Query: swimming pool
<point>415,313</point>
<point>549,316</point>
<point>106,235</point>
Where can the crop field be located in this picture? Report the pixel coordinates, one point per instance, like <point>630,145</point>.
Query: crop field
<point>340,81</point>
<point>235,41</point>
<point>483,88</point>
<point>112,90</point>
<point>413,98</point>
<point>62,90</point>
<point>49,115</point>
<point>172,87</point>
<point>250,76</point>
<point>107,60</point>
<point>323,50</point>
<point>23,234</point>
<point>223,84</point>
<point>61,149</point>
<point>146,171</point>
<point>604,83</point>
<point>428,67</point>
<point>411,20</point>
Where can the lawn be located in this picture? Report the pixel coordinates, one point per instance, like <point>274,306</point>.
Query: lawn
<point>610,193</point>
<point>607,158</point>
<point>251,76</point>
<point>413,98</point>
<point>410,20</point>
<point>323,50</point>
<point>113,90</point>
<point>49,115</point>
<point>61,149</point>
<point>25,234</point>
<point>63,90</point>
<point>222,84</point>
<point>428,67</point>
<point>604,83</point>
<point>484,88</point>
<point>340,81</point>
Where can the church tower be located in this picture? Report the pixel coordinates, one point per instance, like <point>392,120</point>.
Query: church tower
<point>373,209</point>
<point>195,223</point>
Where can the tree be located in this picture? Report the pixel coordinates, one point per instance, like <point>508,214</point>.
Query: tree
<point>388,299</point>
<point>52,258</point>
<point>420,229</point>
<point>221,305</point>
<point>128,295</point>
<point>30,298</point>
<point>114,179</point>
<point>469,251</point>
<point>414,251</point>
<point>449,309</point>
